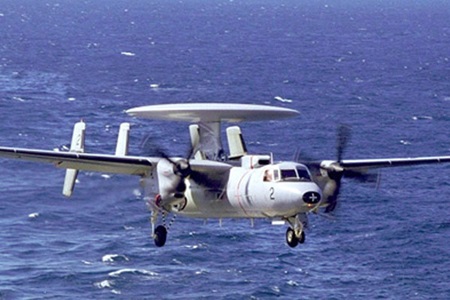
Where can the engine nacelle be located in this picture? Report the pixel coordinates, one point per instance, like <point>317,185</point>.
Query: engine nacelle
<point>171,183</point>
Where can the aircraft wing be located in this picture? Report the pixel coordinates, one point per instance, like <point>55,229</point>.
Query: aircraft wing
<point>367,164</point>
<point>131,165</point>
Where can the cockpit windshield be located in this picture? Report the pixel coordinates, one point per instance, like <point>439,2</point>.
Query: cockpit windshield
<point>291,173</point>
<point>303,174</point>
<point>299,173</point>
<point>288,175</point>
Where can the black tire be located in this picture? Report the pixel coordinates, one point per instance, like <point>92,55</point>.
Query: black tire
<point>291,239</point>
<point>160,236</point>
<point>301,240</point>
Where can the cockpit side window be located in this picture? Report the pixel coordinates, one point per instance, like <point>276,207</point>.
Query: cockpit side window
<point>268,175</point>
<point>276,175</point>
<point>271,175</point>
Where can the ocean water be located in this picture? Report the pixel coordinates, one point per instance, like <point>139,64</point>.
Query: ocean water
<point>382,67</point>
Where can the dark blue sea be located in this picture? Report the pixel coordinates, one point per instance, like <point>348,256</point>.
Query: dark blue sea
<point>382,67</point>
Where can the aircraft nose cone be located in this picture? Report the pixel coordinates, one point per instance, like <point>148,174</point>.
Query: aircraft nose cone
<point>311,197</point>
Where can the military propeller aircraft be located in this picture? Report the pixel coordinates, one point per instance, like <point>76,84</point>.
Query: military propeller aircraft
<point>210,183</point>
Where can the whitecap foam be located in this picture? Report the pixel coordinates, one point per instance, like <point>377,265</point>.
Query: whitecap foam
<point>292,283</point>
<point>104,284</point>
<point>17,98</point>
<point>416,118</point>
<point>178,262</point>
<point>137,192</point>
<point>281,99</point>
<point>201,271</point>
<point>114,257</point>
<point>33,215</point>
<point>125,53</point>
<point>132,271</point>
<point>194,247</point>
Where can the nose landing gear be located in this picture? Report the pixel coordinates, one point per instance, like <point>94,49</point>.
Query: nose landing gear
<point>295,234</point>
<point>293,238</point>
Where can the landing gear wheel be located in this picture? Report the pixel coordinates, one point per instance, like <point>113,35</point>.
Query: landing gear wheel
<point>160,236</point>
<point>291,239</point>
<point>301,240</point>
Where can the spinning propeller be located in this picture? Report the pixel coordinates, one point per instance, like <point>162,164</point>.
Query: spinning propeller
<point>335,170</point>
<point>173,171</point>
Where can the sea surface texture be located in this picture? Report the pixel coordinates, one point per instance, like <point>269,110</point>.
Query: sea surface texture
<point>382,67</point>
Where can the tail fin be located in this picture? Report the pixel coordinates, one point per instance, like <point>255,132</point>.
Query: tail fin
<point>77,145</point>
<point>122,140</point>
<point>194,131</point>
<point>236,142</point>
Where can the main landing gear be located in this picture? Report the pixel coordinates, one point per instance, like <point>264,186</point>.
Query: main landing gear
<point>160,232</point>
<point>295,234</point>
<point>160,236</point>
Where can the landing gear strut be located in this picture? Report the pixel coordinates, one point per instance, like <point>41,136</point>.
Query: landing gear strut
<point>160,232</point>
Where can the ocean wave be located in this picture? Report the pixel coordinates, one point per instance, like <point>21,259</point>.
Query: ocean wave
<point>126,53</point>
<point>33,215</point>
<point>143,272</point>
<point>114,258</point>
<point>104,284</point>
<point>281,99</point>
<point>416,118</point>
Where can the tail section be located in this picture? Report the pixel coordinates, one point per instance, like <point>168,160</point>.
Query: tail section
<point>194,132</point>
<point>77,145</point>
<point>236,143</point>
<point>122,140</point>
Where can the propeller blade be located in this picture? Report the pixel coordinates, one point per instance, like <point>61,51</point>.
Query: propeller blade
<point>335,171</point>
<point>343,137</point>
<point>181,166</point>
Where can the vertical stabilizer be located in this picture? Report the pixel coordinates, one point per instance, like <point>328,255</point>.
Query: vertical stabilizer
<point>236,142</point>
<point>122,139</point>
<point>194,131</point>
<point>77,145</point>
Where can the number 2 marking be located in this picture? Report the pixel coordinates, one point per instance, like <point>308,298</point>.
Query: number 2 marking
<point>271,192</point>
